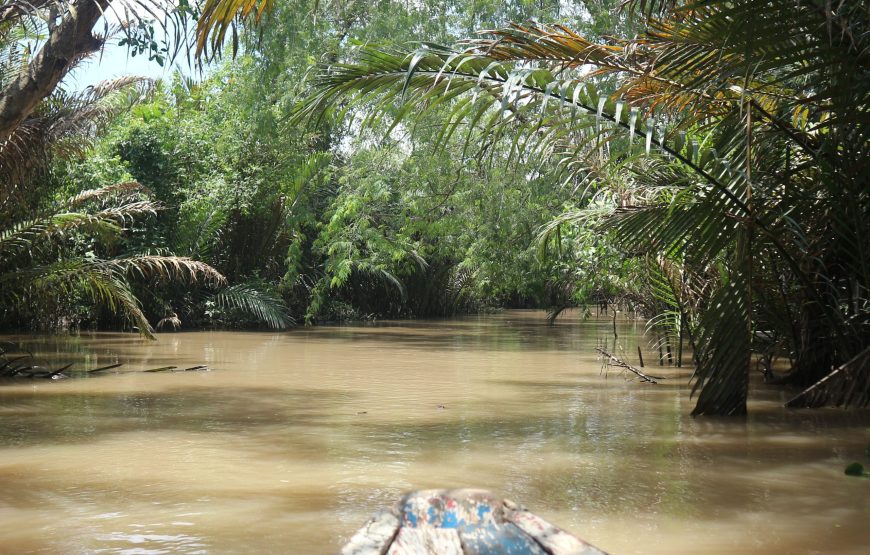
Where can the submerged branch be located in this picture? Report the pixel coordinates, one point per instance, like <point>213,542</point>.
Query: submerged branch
<point>614,361</point>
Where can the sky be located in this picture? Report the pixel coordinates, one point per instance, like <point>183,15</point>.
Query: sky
<point>114,61</point>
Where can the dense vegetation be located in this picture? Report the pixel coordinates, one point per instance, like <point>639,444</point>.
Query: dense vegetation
<point>307,223</point>
<point>703,163</point>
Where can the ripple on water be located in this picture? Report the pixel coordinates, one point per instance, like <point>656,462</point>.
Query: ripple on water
<point>150,543</point>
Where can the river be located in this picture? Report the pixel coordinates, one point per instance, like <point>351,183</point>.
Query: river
<point>294,439</point>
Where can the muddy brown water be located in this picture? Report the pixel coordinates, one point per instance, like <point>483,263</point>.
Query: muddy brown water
<point>294,439</point>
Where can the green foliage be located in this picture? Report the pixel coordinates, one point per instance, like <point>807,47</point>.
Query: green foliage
<point>256,299</point>
<point>358,238</point>
<point>328,221</point>
<point>229,197</point>
<point>53,257</point>
<point>393,229</point>
<point>740,162</point>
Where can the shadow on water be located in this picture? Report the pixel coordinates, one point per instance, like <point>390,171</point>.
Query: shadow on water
<point>32,418</point>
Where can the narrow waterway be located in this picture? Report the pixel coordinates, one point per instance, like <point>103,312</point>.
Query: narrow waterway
<point>293,439</point>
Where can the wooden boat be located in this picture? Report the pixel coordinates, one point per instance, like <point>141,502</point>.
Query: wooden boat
<point>461,522</point>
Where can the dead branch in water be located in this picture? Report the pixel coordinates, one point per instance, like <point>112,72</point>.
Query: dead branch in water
<point>614,361</point>
<point>104,368</point>
<point>848,384</point>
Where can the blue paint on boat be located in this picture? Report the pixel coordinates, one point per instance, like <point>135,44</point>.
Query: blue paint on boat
<point>479,523</point>
<point>498,539</point>
<point>449,520</point>
<point>482,510</point>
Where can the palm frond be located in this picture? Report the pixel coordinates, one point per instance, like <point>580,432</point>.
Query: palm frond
<point>65,125</point>
<point>744,126</point>
<point>218,16</point>
<point>94,277</point>
<point>106,223</point>
<point>166,268</point>
<point>129,189</point>
<point>724,351</point>
<point>651,8</point>
<point>257,300</point>
<point>27,235</point>
<point>171,320</point>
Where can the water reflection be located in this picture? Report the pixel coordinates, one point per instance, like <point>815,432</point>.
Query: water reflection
<point>122,542</point>
<point>294,439</point>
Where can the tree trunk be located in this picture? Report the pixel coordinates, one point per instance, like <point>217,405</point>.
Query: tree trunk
<point>815,354</point>
<point>68,42</point>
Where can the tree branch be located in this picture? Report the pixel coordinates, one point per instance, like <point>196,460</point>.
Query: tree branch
<point>612,360</point>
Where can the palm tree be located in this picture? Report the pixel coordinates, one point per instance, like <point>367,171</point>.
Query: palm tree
<point>41,258</point>
<point>64,125</point>
<point>743,130</point>
<point>33,68</point>
<point>48,250</point>
<point>60,250</point>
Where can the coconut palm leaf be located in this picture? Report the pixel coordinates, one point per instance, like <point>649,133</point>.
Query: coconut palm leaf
<point>105,281</point>
<point>37,261</point>
<point>165,268</point>
<point>73,276</point>
<point>26,236</point>
<point>666,289</point>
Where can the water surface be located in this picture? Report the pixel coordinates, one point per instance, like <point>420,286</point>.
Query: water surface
<point>294,439</point>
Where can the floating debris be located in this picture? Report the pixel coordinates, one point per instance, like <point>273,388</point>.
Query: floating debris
<point>200,368</point>
<point>103,368</point>
<point>17,363</point>
<point>162,369</point>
